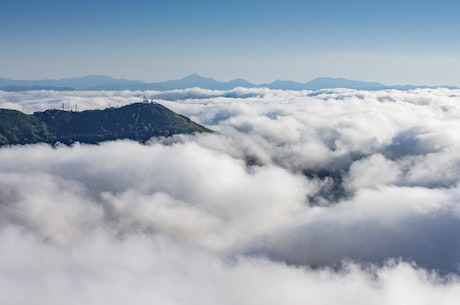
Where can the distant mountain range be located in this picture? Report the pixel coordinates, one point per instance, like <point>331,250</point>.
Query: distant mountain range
<point>103,82</point>
<point>138,122</point>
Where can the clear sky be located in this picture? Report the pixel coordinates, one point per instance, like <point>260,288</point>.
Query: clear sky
<point>393,42</point>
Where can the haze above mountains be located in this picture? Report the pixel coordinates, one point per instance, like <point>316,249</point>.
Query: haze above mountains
<point>103,82</point>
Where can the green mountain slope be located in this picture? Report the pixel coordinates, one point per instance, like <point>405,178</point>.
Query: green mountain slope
<point>139,122</point>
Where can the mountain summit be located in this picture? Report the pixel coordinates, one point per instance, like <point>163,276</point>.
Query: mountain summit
<point>138,122</point>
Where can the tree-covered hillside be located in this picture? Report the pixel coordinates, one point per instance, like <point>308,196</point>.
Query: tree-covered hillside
<point>139,122</point>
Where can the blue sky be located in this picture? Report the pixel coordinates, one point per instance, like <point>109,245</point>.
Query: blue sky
<point>388,41</point>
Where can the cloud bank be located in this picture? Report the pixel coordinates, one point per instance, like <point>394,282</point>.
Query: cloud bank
<point>301,197</point>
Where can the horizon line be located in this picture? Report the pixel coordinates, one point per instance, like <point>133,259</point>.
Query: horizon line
<point>195,74</point>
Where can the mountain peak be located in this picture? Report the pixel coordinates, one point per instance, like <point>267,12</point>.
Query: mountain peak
<point>196,77</point>
<point>340,82</point>
<point>138,122</point>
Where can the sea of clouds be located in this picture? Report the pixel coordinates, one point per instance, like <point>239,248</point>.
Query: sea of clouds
<point>300,197</point>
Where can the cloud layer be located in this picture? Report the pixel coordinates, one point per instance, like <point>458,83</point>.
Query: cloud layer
<point>322,197</point>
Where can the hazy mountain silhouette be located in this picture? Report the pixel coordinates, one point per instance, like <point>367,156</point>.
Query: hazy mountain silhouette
<point>102,82</point>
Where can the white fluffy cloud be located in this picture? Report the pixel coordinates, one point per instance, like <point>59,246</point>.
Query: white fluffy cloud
<point>302,197</point>
<point>142,270</point>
